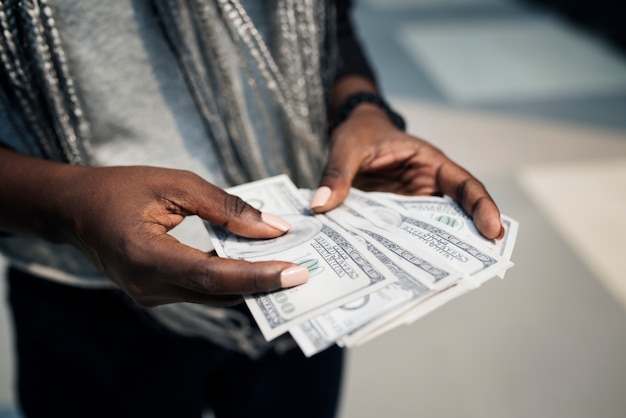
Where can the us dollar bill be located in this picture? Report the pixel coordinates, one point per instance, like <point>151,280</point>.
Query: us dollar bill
<point>439,211</point>
<point>339,269</point>
<point>407,315</point>
<point>440,242</point>
<point>447,211</point>
<point>388,308</point>
<point>416,279</point>
<point>378,261</point>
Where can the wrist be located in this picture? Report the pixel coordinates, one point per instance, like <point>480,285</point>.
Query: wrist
<point>33,194</point>
<point>366,101</point>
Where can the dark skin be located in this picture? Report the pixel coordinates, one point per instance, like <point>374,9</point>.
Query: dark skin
<point>368,152</point>
<point>119,216</point>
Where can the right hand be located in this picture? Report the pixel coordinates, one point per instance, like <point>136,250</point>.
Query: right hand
<point>120,216</point>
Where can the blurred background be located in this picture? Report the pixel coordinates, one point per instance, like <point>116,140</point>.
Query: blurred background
<point>530,96</point>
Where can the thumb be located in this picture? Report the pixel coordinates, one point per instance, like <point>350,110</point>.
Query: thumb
<point>341,167</point>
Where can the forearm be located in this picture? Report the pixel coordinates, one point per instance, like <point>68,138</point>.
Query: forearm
<point>33,195</point>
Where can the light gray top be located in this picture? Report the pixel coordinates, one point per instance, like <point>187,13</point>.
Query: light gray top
<point>139,107</point>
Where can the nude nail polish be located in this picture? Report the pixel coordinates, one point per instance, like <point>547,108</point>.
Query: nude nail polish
<point>294,276</point>
<point>320,197</point>
<point>275,222</point>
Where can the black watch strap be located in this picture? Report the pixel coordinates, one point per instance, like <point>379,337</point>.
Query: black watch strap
<point>366,97</point>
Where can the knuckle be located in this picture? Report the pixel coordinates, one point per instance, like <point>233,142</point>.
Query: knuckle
<point>259,283</point>
<point>265,279</point>
<point>332,171</point>
<point>185,175</point>
<point>209,284</point>
<point>479,202</point>
<point>234,206</point>
<point>207,281</point>
<point>461,190</point>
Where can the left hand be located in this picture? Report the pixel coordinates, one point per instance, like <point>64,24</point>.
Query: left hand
<point>368,152</point>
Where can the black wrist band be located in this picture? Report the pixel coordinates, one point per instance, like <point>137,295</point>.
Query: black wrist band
<point>366,97</point>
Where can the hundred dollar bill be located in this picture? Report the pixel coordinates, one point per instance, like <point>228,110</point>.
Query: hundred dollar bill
<point>445,211</point>
<point>407,315</point>
<point>324,330</point>
<point>416,279</point>
<point>448,212</point>
<point>436,273</point>
<point>339,269</point>
<point>433,239</point>
<point>384,311</point>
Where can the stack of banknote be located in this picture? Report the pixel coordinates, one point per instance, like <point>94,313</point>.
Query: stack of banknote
<point>378,261</point>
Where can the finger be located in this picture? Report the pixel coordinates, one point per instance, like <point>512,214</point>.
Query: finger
<point>195,270</point>
<point>221,208</point>
<point>242,219</point>
<point>341,167</point>
<point>470,193</point>
<point>159,293</point>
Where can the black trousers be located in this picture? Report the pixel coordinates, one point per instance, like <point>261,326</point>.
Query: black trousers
<point>89,353</point>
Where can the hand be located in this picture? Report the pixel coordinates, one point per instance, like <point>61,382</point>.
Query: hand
<point>120,216</point>
<point>122,223</point>
<point>368,152</point>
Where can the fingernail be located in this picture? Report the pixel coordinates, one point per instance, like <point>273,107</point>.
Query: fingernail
<point>502,231</point>
<point>275,222</point>
<point>320,197</point>
<point>294,276</point>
